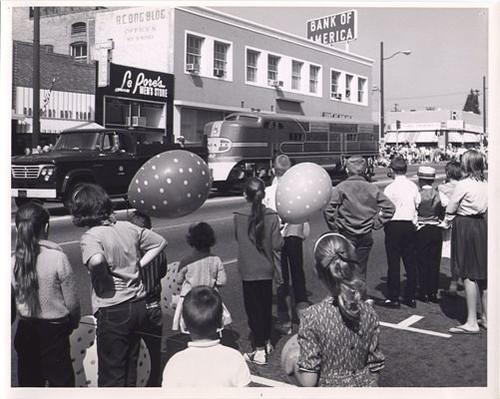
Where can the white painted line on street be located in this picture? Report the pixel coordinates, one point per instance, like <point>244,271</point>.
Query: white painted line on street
<point>268,382</point>
<point>410,320</point>
<point>417,330</point>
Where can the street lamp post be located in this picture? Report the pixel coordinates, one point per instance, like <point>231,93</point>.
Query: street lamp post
<point>382,59</point>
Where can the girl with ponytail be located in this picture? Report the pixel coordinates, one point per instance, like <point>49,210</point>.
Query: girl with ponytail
<point>45,297</point>
<point>257,231</point>
<point>338,337</point>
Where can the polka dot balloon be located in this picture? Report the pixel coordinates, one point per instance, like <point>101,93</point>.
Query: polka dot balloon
<point>84,355</point>
<point>171,184</point>
<point>303,190</point>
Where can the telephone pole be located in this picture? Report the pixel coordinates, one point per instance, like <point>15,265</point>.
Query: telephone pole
<point>36,77</point>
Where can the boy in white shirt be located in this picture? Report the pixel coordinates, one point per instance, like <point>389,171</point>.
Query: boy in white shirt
<point>400,235</point>
<point>205,363</point>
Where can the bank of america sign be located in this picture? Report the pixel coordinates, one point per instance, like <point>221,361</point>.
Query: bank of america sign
<point>335,28</point>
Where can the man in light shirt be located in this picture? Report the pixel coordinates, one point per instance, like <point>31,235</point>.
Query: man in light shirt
<point>400,235</point>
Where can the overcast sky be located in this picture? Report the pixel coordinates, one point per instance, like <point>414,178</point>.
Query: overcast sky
<point>449,48</point>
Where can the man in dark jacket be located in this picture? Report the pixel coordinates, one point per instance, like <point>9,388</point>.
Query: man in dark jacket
<point>356,208</point>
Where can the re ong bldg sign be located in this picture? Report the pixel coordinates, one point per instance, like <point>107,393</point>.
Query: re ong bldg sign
<point>335,28</point>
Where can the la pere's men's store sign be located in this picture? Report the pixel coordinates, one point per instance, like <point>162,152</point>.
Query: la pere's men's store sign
<point>335,28</point>
<point>138,86</point>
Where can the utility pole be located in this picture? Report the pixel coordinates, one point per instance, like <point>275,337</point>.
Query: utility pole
<point>36,76</point>
<point>382,119</point>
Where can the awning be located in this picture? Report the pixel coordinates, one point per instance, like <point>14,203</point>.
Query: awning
<point>17,117</point>
<point>390,137</point>
<point>426,137</point>
<point>455,137</point>
<point>86,126</point>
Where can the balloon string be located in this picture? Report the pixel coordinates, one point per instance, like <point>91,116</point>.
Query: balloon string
<point>149,334</point>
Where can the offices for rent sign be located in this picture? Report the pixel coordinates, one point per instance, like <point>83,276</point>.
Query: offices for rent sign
<point>335,28</point>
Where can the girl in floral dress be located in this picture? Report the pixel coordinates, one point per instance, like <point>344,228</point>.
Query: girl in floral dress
<point>338,337</point>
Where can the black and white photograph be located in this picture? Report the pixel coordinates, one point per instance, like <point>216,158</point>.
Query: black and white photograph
<point>288,199</point>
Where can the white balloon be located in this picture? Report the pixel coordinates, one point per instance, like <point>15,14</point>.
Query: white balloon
<point>304,189</point>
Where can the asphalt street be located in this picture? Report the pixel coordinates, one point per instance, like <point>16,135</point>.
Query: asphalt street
<point>419,351</point>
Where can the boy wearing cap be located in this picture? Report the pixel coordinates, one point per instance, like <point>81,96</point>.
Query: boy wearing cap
<point>429,239</point>
<point>356,208</point>
<point>400,235</point>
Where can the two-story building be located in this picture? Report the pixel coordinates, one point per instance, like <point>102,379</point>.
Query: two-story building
<point>191,65</point>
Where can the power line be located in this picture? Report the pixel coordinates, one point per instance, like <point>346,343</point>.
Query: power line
<point>429,96</point>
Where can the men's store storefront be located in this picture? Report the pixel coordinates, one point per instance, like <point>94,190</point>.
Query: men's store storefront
<point>137,99</point>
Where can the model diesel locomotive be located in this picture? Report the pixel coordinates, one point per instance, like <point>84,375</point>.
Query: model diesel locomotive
<point>244,144</point>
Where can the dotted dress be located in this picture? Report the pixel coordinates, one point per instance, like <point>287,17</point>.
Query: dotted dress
<point>342,356</point>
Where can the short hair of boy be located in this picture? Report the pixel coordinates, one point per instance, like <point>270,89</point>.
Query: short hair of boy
<point>90,206</point>
<point>398,165</point>
<point>281,164</point>
<point>356,165</point>
<point>453,170</point>
<point>202,311</point>
<point>201,236</point>
<point>140,219</point>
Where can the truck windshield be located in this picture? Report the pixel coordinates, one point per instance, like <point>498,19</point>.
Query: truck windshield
<point>76,141</point>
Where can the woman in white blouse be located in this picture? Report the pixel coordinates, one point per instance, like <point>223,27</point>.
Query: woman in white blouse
<point>469,204</point>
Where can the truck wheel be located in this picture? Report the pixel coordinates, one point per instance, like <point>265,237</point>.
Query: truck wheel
<point>68,196</point>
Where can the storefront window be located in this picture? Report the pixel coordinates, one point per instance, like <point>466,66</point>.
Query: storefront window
<point>117,112</point>
<point>193,122</point>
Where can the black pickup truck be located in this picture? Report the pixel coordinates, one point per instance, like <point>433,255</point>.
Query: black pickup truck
<point>108,157</point>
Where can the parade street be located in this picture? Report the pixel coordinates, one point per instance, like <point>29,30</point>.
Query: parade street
<point>418,349</point>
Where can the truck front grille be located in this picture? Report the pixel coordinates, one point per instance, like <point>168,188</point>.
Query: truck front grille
<point>26,171</point>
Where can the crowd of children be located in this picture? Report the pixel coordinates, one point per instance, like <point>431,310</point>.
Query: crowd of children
<point>338,337</point>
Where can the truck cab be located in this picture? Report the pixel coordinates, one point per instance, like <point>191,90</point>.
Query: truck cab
<point>107,157</point>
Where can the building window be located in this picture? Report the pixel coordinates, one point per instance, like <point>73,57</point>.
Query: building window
<point>252,59</point>
<point>66,115</point>
<point>193,53</point>
<point>272,68</point>
<point>348,83</point>
<point>313,78</point>
<point>361,90</point>
<point>78,27</point>
<point>50,113</point>
<point>79,50</point>
<point>62,114</point>
<point>220,59</point>
<point>30,112</point>
<point>334,90</point>
<point>296,74</point>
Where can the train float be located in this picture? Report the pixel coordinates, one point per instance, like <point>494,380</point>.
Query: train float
<point>244,144</point>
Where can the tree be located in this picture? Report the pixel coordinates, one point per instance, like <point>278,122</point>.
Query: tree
<point>472,102</point>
